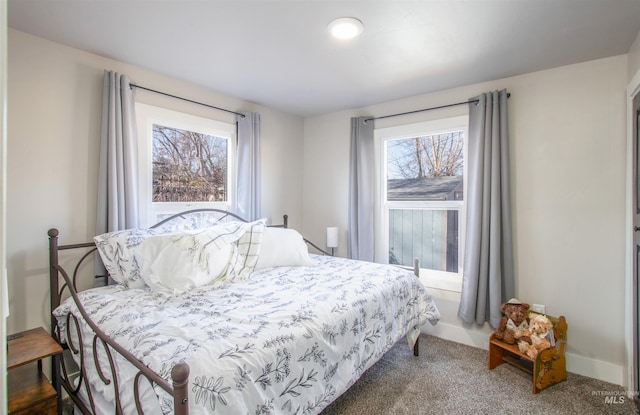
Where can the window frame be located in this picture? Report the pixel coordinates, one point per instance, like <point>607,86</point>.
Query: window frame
<point>443,280</point>
<point>148,115</point>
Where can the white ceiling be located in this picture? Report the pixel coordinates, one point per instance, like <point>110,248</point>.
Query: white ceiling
<point>278,53</point>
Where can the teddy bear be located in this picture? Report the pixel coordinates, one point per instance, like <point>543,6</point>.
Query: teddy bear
<point>513,325</point>
<point>540,333</point>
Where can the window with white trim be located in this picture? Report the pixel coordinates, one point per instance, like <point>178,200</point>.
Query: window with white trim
<point>186,162</point>
<point>420,198</point>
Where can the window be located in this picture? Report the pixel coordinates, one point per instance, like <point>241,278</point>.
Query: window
<point>185,162</point>
<point>421,207</point>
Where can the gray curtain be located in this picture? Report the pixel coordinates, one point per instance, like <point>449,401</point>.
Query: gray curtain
<point>248,188</point>
<point>118,170</point>
<point>118,173</point>
<point>488,278</point>
<point>361,191</point>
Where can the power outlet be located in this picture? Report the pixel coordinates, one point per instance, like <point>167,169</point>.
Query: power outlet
<point>538,308</point>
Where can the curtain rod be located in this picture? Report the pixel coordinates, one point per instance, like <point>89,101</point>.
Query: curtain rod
<point>427,109</point>
<point>186,99</point>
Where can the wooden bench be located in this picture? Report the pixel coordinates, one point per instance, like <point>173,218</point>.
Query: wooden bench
<point>547,369</point>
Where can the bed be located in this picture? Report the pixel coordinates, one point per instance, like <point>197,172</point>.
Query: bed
<point>278,331</point>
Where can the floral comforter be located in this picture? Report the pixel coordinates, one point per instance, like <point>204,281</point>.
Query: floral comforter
<point>287,340</point>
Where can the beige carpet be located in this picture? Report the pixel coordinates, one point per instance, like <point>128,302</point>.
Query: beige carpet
<point>450,378</point>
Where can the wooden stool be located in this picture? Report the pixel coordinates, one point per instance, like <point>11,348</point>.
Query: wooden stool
<point>548,368</point>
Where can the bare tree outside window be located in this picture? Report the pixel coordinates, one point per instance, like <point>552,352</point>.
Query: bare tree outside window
<point>188,166</point>
<point>439,155</point>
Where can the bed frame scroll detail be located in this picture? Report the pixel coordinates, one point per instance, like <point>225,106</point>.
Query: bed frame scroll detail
<point>179,373</point>
<point>63,285</point>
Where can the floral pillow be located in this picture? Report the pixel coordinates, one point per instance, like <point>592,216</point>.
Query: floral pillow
<point>178,262</point>
<point>183,259</point>
<point>116,251</point>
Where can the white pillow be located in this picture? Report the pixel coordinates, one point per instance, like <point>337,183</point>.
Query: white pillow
<point>282,247</point>
<point>180,262</point>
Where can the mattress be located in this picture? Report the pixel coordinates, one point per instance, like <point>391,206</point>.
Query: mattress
<point>286,340</point>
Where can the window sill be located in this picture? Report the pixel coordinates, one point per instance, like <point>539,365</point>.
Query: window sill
<point>441,280</point>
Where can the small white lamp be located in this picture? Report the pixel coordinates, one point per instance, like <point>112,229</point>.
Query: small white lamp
<point>332,238</point>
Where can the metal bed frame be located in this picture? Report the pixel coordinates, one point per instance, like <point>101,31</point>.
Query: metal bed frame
<point>73,382</point>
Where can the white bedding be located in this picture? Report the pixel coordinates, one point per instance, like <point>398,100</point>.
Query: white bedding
<point>287,340</point>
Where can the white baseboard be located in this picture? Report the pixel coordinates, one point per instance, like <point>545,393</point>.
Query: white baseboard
<point>471,337</point>
<point>585,366</point>
<point>596,369</point>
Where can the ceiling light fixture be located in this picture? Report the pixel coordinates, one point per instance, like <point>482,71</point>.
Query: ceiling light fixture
<point>345,28</point>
